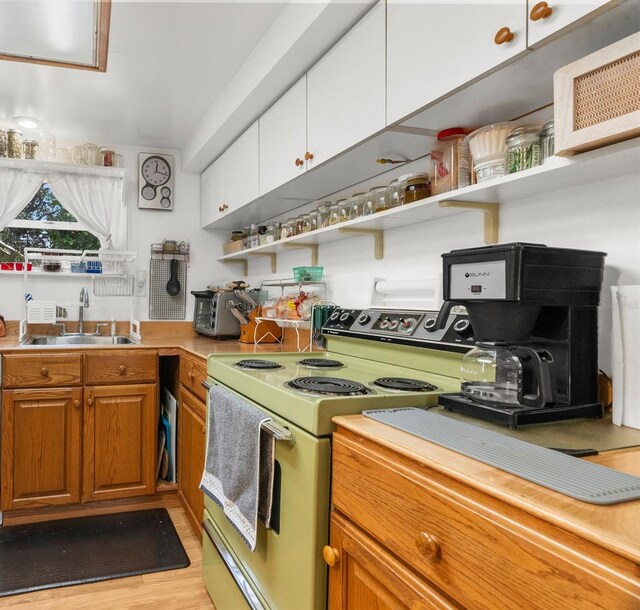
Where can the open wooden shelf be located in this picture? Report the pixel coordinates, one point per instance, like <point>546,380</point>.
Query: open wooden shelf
<point>559,173</point>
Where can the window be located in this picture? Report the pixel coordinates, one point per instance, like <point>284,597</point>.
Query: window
<point>44,223</point>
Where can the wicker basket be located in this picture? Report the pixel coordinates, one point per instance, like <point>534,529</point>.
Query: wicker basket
<point>597,98</point>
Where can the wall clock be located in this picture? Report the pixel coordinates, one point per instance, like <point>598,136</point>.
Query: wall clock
<point>155,181</point>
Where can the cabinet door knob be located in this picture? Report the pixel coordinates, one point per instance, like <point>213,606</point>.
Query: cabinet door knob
<point>90,402</point>
<point>122,369</point>
<point>540,11</point>
<point>191,376</point>
<point>44,371</point>
<point>428,545</point>
<point>308,156</point>
<point>223,207</point>
<point>503,35</point>
<point>299,162</point>
<point>76,404</point>
<point>204,429</point>
<point>331,555</point>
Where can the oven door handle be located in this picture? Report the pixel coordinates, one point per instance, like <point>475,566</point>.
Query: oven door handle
<point>278,432</point>
<point>230,563</point>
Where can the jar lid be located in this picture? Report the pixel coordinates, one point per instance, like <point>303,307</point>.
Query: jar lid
<point>15,131</point>
<point>29,142</point>
<point>418,176</point>
<point>549,127</point>
<point>452,132</point>
<point>523,134</point>
<point>375,189</point>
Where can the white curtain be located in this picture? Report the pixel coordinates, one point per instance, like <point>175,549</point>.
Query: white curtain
<point>17,189</point>
<point>97,202</point>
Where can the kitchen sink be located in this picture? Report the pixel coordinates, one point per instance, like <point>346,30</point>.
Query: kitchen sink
<point>78,340</point>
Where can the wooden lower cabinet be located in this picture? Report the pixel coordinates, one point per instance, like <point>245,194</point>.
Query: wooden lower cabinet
<point>120,431</point>
<point>41,447</point>
<point>364,575</point>
<point>191,452</point>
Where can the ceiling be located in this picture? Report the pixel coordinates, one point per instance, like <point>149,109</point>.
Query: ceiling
<point>168,62</point>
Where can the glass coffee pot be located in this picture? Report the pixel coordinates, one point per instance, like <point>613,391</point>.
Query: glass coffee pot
<point>509,376</point>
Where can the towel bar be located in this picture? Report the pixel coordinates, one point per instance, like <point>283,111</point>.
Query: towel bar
<point>278,432</point>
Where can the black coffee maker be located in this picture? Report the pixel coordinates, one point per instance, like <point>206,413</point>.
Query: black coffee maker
<point>533,310</point>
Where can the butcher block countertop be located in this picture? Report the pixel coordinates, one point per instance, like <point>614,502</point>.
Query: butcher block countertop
<point>169,338</point>
<point>615,527</point>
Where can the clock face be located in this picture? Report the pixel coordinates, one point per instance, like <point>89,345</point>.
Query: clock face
<point>156,171</point>
<point>156,188</point>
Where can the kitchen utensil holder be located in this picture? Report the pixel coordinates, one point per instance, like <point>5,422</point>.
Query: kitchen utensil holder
<point>113,286</point>
<point>163,306</point>
<point>41,312</point>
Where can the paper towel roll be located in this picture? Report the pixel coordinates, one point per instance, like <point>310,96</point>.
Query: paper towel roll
<point>626,355</point>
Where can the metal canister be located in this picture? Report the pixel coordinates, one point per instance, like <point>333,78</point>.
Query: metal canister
<point>547,141</point>
<point>14,144</point>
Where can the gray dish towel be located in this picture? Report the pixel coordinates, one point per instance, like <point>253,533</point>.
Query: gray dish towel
<point>238,472</point>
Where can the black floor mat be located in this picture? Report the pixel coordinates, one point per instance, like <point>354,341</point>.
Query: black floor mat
<point>86,549</point>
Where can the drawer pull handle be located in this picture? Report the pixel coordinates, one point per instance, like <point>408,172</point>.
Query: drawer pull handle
<point>503,35</point>
<point>308,156</point>
<point>44,371</point>
<point>540,11</point>
<point>204,430</point>
<point>428,545</point>
<point>90,402</point>
<point>122,369</point>
<point>76,404</point>
<point>299,162</point>
<point>331,556</point>
<point>191,376</point>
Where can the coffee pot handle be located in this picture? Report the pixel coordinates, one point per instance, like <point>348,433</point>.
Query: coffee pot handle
<point>443,314</point>
<point>540,364</point>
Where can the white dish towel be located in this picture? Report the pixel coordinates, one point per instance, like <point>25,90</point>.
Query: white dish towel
<point>626,355</point>
<point>238,473</point>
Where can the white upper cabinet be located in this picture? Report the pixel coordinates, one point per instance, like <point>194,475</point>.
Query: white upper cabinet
<point>546,18</point>
<point>346,90</point>
<point>232,180</point>
<point>283,139</point>
<point>435,47</point>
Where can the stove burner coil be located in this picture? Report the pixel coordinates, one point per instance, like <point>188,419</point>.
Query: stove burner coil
<point>258,365</point>
<point>328,386</point>
<point>402,384</point>
<point>321,363</point>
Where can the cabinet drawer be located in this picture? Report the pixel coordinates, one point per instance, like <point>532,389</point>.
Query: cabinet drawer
<point>487,555</point>
<point>46,370</point>
<point>192,373</point>
<point>126,366</point>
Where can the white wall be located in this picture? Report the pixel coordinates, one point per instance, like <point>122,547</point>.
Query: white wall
<point>144,227</point>
<point>603,216</point>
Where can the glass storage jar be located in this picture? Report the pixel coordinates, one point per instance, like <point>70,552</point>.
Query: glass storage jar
<point>547,137</point>
<point>344,210</point>
<point>356,203</point>
<point>378,199</point>
<point>77,155</point>
<point>62,155</point>
<point>3,143</point>
<point>450,161</point>
<point>323,213</point>
<point>395,193</point>
<point>91,154</point>
<point>523,148</point>
<point>277,231</point>
<point>299,225</point>
<point>415,187</point>
<point>14,144</point>
<point>334,218</point>
<point>106,157</point>
<point>288,228</point>
<point>30,149</point>
<point>47,150</point>
<point>308,223</point>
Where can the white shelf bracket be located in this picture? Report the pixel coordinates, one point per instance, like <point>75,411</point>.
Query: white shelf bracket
<point>244,261</point>
<point>312,247</point>
<point>271,255</point>
<point>489,211</point>
<point>378,239</point>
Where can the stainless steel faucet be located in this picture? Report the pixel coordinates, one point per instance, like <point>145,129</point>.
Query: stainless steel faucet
<point>84,302</point>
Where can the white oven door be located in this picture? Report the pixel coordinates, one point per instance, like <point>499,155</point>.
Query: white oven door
<point>286,571</point>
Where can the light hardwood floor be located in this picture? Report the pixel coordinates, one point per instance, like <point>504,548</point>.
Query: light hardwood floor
<point>173,590</point>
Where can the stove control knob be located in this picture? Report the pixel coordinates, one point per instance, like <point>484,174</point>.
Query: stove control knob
<point>393,324</point>
<point>430,325</point>
<point>408,323</point>
<point>346,317</point>
<point>363,319</point>
<point>334,316</point>
<point>462,327</point>
<point>383,322</point>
